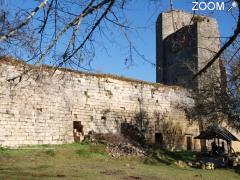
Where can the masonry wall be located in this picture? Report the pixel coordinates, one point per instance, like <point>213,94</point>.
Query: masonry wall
<point>167,23</point>
<point>185,44</point>
<point>180,57</point>
<point>40,107</point>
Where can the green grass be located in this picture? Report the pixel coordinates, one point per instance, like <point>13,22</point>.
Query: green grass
<point>92,151</point>
<point>50,152</point>
<point>88,161</point>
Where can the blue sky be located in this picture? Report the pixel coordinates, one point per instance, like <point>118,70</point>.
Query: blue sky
<point>142,14</point>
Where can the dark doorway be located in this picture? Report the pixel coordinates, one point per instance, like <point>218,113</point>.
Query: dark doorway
<point>158,138</point>
<point>189,143</point>
<point>77,131</point>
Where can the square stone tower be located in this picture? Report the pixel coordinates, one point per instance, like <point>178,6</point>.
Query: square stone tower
<point>185,43</point>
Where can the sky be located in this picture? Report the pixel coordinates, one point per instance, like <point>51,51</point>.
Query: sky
<point>142,15</point>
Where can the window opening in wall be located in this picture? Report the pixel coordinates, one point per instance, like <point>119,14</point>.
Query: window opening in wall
<point>104,119</point>
<point>77,131</point>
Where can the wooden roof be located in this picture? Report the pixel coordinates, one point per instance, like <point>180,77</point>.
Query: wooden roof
<point>215,131</point>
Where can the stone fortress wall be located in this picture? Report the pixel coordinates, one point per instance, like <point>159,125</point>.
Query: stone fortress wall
<point>40,108</point>
<point>43,107</point>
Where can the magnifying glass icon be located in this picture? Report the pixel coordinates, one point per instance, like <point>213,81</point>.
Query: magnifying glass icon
<point>234,4</point>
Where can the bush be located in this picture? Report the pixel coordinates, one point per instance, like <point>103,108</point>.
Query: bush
<point>3,149</point>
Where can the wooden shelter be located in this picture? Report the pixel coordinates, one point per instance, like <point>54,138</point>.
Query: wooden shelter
<point>215,132</point>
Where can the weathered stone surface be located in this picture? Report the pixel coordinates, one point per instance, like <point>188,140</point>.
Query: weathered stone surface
<point>40,107</point>
<point>185,43</point>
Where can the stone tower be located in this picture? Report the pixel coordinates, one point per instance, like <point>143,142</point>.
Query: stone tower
<point>185,43</point>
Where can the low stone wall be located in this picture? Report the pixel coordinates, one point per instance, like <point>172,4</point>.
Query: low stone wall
<point>41,106</point>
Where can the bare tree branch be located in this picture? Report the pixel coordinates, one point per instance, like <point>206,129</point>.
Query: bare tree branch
<point>24,23</point>
<point>225,46</point>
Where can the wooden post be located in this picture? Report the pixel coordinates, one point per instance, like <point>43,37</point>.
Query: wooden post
<point>229,148</point>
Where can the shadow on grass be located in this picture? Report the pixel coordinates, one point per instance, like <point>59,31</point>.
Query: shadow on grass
<point>15,172</point>
<point>182,155</point>
<point>237,170</point>
<point>169,157</point>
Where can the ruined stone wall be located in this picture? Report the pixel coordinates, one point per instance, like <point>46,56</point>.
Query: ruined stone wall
<point>40,107</point>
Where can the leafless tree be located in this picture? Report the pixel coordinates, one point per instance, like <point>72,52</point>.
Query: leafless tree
<point>217,103</point>
<point>45,29</point>
<point>60,31</point>
<point>230,42</point>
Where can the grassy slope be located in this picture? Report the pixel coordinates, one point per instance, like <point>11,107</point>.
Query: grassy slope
<point>76,161</point>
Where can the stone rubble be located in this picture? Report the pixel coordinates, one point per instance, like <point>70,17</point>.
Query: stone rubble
<point>118,146</point>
